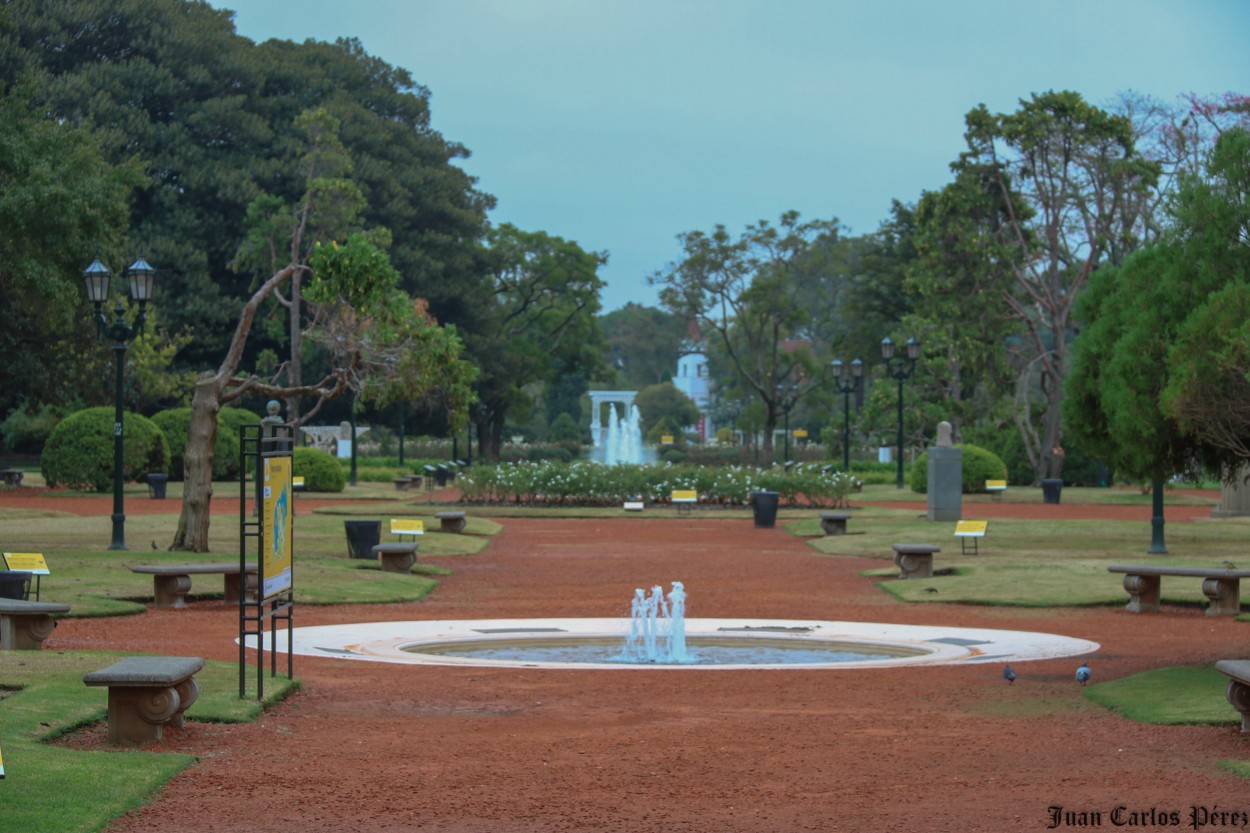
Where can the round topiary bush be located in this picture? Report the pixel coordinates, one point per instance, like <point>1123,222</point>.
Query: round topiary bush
<point>979,465</point>
<point>321,472</point>
<point>176,423</point>
<point>79,452</point>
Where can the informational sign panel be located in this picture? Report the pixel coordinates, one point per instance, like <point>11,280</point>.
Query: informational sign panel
<point>276,547</point>
<point>1,763</point>
<point>30,562</point>
<point>971,529</point>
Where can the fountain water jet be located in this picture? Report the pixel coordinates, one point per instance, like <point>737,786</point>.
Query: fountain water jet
<point>657,627</point>
<point>622,443</point>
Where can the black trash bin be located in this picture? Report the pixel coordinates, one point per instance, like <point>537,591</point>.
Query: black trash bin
<point>1051,489</point>
<point>764,505</point>
<point>362,537</point>
<point>156,485</point>
<point>440,475</point>
<point>14,584</point>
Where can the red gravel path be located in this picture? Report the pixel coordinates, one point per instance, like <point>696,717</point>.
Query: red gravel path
<point>378,747</point>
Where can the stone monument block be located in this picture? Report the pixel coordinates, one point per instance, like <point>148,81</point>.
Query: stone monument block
<point>946,474</point>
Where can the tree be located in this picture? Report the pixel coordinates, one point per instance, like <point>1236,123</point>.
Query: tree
<point>1207,389</point>
<point>541,320</point>
<point>212,116</point>
<point>61,204</point>
<point>665,402</point>
<point>743,292</point>
<point>1074,168</point>
<point>644,342</point>
<point>376,340</point>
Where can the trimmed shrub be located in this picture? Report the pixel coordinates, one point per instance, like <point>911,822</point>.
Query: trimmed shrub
<point>79,453</point>
<point>26,430</point>
<point>979,465</point>
<point>321,472</point>
<point>176,423</point>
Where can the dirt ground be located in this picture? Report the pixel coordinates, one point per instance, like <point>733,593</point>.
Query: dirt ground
<point>380,747</point>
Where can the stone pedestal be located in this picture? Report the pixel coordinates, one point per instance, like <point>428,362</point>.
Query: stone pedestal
<point>946,488</point>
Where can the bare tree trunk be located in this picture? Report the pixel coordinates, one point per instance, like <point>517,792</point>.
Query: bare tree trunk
<point>197,496</point>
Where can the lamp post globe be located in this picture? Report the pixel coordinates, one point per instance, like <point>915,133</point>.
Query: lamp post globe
<point>96,278</point>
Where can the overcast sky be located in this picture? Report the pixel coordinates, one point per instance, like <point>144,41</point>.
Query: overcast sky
<point>622,123</point>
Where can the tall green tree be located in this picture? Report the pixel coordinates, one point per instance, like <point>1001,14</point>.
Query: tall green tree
<point>1074,167</point>
<point>61,204</point>
<point>743,294</point>
<point>540,321</point>
<point>644,342</point>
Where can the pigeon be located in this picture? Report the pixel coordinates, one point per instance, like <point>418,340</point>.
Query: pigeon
<point>1009,674</point>
<point>930,590</point>
<point>1082,673</point>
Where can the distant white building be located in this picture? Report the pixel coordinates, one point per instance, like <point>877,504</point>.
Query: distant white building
<point>692,379</point>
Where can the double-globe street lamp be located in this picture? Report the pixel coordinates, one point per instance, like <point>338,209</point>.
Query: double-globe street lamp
<point>96,277</point>
<point>900,369</point>
<point>847,383</point>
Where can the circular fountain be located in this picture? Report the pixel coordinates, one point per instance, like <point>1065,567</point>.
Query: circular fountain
<point>658,636</point>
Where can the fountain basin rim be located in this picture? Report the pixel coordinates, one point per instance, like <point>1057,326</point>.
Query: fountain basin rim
<point>941,645</point>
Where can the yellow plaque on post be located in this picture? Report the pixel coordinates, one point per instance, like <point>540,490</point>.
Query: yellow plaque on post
<point>278,490</point>
<point>29,562</point>
<point>666,439</point>
<point>407,526</point>
<point>972,529</point>
<point>685,496</point>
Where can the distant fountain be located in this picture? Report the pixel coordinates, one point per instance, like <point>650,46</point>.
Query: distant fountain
<point>657,627</point>
<point>623,443</point>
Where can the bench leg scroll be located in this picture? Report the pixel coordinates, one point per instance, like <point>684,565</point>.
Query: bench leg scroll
<point>1238,695</point>
<point>1225,596</point>
<point>1143,593</point>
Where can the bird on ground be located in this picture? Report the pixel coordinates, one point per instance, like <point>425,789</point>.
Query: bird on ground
<point>930,590</point>
<point>154,544</point>
<point>1083,673</point>
<point>1009,674</point>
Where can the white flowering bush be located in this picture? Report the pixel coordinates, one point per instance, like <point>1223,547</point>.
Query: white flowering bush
<point>583,483</point>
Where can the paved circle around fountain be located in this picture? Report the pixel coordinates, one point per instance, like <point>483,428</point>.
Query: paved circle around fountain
<point>903,645</point>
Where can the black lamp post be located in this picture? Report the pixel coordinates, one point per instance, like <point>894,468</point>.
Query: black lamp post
<point>789,395</point>
<point>846,385</point>
<point>96,277</point>
<point>900,369</point>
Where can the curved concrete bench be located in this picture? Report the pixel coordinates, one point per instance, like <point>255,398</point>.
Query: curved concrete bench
<point>1238,692</point>
<point>1222,587</point>
<point>24,625</point>
<point>146,694</point>
<point>451,521</point>
<point>172,582</point>
<point>915,560</point>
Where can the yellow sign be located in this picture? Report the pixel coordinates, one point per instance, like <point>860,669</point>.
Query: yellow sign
<point>666,439</point>
<point>30,562</point>
<point>298,481</point>
<point>800,433</point>
<point>685,496</point>
<point>972,529</point>
<point>407,526</point>
<point>995,485</point>
<point>276,567</point>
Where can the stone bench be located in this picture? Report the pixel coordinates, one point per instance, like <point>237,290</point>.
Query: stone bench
<point>24,625</point>
<point>397,557</point>
<point>402,483</point>
<point>12,477</point>
<point>915,560</point>
<point>146,694</point>
<point>1222,587</point>
<point>172,582</point>
<point>1238,692</point>
<point>834,523</point>
<point>451,521</point>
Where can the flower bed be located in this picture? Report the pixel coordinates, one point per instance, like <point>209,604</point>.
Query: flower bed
<point>550,483</point>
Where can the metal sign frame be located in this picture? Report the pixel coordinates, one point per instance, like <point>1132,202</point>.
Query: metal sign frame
<point>266,533</point>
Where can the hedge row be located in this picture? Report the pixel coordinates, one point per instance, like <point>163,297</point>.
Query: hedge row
<point>594,484</point>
